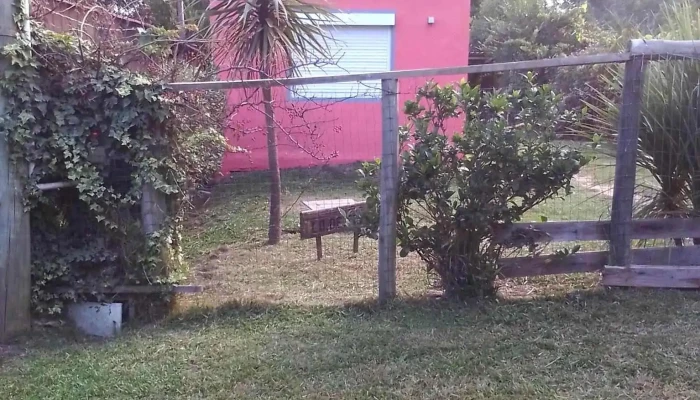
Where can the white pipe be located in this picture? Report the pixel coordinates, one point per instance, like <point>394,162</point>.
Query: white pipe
<point>55,185</point>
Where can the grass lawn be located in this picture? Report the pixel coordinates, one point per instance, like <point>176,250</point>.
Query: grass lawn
<point>275,323</point>
<point>592,344</point>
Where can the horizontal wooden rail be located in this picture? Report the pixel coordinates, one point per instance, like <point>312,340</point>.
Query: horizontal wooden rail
<point>521,267</point>
<point>570,231</point>
<point>665,228</point>
<point>55,185</point>
<point>134,289</point>
<point>656,48</point>
<point>653,276</point>
<point>595,261</point>
<point>648,49</point>
<point>606,58</point>
<point>566,231</point>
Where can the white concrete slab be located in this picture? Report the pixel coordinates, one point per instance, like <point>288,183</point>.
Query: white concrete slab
<point>98,319</point>
<point>314,205</point>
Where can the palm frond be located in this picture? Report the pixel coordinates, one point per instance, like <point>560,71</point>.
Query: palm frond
<point>669,138</point>
<point>268,37</point>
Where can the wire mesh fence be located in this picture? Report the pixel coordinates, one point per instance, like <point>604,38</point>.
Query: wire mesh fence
<point>323,139</point>
<point>321,143</point>
<point>667,156</point>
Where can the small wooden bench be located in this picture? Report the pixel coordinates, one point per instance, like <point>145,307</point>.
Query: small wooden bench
<point>131,295</point>
<point>326,217</point>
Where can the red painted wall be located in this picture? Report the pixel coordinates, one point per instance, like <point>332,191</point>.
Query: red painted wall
<point>335,132</point>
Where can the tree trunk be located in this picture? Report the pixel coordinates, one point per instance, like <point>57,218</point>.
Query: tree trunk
<point>181,13</point>
<point>695,198</point>
<point>274,233</point>
<point>15,232</point>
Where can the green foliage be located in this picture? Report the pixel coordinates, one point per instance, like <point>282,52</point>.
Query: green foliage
<point>646,15</point>
<point>108,131</point>
<point>157,41</point>
<point>204,151</point>
<point>609,28</point>
<point>270,36</point>
<point>528,29</point>
<point>263,39</point>
<point>455,190</point>
<point>669,145</point>
<point>163,13</point>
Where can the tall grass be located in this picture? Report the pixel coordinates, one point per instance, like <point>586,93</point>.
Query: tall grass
<point>669,139</point>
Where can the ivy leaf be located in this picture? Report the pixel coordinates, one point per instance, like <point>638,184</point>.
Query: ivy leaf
<point>25,116</point>
<point>42,107</point>
<point>123,90</point>
<point>59,95</point>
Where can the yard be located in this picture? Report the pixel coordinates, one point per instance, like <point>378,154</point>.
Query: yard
<point>276,323</point>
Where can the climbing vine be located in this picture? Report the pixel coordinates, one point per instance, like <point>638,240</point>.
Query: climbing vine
<point>85,122</point>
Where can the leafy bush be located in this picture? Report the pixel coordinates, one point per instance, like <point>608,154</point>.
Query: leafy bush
<point>520,30</point>
<point>77,118</point>
<point>456,190</point>
<point>644,14</point>
<point>203,151</point>
<point>527,29</point>
<point>668,144</point>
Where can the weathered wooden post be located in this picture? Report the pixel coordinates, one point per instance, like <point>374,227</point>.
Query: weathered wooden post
<point>15,262</point>
<point>153,209</point>
<point>388,189</point>
<point>154,203</point>
<point>626,164</point>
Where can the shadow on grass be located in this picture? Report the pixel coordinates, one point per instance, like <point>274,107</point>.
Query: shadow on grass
<point>317,178</point>
<point>598,302</point>
<point>597,341</point>
<point>600,306</point>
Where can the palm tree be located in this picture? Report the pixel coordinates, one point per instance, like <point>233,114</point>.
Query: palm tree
<point>267,38</point>
<point>669,143</point>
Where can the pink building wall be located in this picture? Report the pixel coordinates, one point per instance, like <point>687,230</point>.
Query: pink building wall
<point>332,132</point>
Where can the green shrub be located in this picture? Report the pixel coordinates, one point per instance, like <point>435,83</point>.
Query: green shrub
<point>75,117</point>
<point>204,150</point>
<point>456,189</point>
<point>517,30</point>
<point>669,143</point>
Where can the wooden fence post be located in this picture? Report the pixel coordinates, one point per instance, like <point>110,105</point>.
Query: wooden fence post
<point>154,203</point>
<point>153,209</point>
<point>388,189</point>
<point>15,256</point>
<point>626,163</point>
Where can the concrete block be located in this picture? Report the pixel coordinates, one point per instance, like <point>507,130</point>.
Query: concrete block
<point>98,319</point>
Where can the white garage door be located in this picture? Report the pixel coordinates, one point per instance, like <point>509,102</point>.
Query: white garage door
<point>354,49</point>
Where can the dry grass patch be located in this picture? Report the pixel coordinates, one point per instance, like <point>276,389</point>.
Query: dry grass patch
<point>275,323</point>
<point>226,245</point>
<point>290,273</point>
<point>590,344</point>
